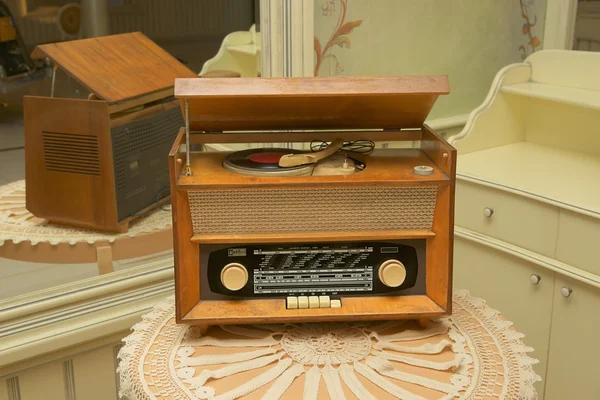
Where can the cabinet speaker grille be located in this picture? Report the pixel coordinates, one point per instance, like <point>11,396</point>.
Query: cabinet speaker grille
<point>141,136</point>
<point>271,211</point>
<point>71,153</point>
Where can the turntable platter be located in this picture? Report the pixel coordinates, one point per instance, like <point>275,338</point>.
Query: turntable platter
<point>264,162</point>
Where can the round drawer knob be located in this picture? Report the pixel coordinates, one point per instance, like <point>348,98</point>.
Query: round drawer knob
<point>488,212</point>
<point>234,276</point>
<point>566,291</point>
<point>392,273</point>
<point>535,279</point>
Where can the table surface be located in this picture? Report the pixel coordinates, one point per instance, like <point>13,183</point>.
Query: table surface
<point>19,225</point>
<point>474,354</point>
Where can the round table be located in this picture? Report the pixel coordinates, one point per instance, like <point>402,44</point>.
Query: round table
<point>474,354</point>
<point>24,237</point>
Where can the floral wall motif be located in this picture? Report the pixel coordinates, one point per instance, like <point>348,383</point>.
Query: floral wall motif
<point>339,37</point>
<point>468,40</point>
<point>533,42</point>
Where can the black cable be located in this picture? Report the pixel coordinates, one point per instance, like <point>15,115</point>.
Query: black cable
<point>357,146</point>
<point>160,204</point>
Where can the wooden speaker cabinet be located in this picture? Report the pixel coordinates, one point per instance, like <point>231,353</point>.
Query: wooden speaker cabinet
<point>371,243</point>
<point>100,161</point>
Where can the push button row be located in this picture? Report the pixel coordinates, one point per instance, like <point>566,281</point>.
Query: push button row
<point>312,302</point>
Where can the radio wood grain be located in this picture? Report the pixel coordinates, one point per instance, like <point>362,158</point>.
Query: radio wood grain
<point>306,137</point>
<point>82,164</point>
<point>208,173</point>
<point>259,311</point>
<point>312,237</point>
<point>368,103</point>
<point>310,103</point>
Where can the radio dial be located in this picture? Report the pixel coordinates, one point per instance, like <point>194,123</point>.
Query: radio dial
<point>392,273</point>
<point>234,276</point>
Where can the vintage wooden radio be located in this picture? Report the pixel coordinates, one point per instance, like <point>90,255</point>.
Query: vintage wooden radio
<point>280,235</point>
<point>101,160</point>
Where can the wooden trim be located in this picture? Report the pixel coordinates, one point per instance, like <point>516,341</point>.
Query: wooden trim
<point>439,151</point>
<point>93,203</point>
<point>320,86</point>
<point>258,311</point>
<point>381,136</point>
<point>299,137</point>
<point>313,237</point>
<point>439,252</point>
<point>137,101</point>
<point>559,28</point>
<point>208,174</point>
<point>530,256</point>
<point>186,253</point>
<point>122,118</point>
<point>51,320</point>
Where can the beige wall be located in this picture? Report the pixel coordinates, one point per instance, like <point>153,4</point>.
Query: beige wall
<point>467,40</point>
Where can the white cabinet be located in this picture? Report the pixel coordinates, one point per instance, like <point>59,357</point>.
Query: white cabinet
<point>520,290</point>
<point>574,356</point>
<point>528,212</point>
<point>506,216</point>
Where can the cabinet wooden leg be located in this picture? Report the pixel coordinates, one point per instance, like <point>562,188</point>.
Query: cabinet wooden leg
<point>202,328</point>
<point>422,322</point>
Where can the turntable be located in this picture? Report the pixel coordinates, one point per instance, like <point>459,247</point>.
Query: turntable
<point>335,229</point>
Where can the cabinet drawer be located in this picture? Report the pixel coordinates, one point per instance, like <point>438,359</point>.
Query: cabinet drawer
<point>578,239</point>
<point>518,220</point>
<point>506,283</point>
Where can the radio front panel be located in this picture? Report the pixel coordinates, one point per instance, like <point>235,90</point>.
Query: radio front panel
<point>335,269</point>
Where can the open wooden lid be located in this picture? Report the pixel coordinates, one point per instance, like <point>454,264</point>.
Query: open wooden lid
<point>309,103</point>
<point>117,68</point>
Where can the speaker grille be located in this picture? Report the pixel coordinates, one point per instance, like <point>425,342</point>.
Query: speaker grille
<point>71,153</point>
<point>156,131</point>
<point>140,155</point>
<point>312,210</point>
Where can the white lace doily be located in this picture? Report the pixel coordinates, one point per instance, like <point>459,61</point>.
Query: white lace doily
<point>472,355</point>
<point>19,225</point>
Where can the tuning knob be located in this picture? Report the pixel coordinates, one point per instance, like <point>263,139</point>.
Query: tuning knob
<point>392,273</point>
<point>234,276</point>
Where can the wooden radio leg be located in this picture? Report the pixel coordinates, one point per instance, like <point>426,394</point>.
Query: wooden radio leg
<point>422,322</point>
<point>202,328</point>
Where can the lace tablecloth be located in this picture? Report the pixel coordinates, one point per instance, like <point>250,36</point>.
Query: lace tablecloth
<point>475,354</point>
<point>19,225</point>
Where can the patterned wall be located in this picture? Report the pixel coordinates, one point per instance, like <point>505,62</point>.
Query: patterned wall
<point>465,39</point>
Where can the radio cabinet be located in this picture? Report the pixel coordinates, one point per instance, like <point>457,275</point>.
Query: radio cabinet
<point>100,162</point>
<point>215,209</point>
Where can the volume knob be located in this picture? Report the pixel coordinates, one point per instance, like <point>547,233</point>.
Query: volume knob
<point>234,276</point>
<point>392,273</point>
